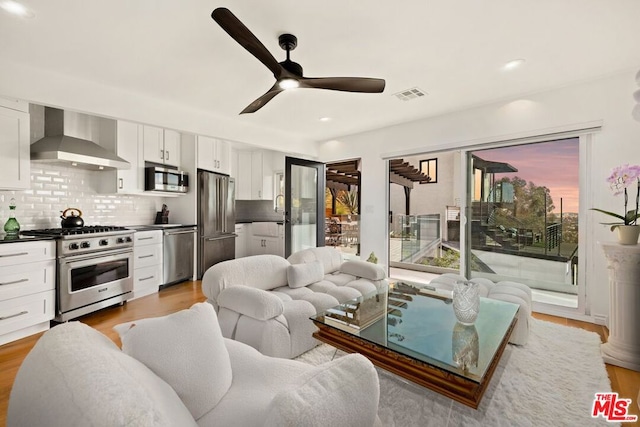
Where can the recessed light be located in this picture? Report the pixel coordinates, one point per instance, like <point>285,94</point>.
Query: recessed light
<point>325,119</point>
<point>512,65</point>
<point>17,9</point>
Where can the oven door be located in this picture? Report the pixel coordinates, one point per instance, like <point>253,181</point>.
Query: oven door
<point>88,279</point>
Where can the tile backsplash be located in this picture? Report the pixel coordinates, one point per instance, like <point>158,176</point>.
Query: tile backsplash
<point>55,188</point>
<point>256,210</point>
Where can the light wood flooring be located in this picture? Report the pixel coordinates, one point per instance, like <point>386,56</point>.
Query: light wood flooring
<point>178,297</point>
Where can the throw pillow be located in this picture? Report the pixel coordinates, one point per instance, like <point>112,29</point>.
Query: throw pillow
<point>364,269</point>
<point>76,376</point>
<point>299,275</point>
<point>343,392</point>
<point>187,350</point>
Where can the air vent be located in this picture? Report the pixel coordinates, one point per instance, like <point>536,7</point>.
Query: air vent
<point>409,94</point>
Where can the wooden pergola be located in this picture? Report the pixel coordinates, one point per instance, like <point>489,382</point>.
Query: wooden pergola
<point>343,175</point>
<point>405,174</point>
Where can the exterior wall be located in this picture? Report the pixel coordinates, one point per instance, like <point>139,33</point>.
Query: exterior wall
<point>428,198</point>
<point>608,101</point>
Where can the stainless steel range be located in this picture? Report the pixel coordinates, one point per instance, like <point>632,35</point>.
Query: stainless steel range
<point>95,268</point>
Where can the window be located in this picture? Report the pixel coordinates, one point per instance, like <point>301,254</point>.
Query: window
<point>429,167</point>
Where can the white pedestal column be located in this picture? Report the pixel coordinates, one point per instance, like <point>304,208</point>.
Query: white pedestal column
<point>623,345</point>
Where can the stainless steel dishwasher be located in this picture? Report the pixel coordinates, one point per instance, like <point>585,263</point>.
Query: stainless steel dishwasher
<point>178,248</point>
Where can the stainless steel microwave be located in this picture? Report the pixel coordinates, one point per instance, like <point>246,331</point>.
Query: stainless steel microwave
<point>163,179</point>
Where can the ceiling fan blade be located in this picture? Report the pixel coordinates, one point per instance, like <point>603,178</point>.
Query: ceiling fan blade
<point>240,33</point>
<point>260,102</point>
<point>347,84</point>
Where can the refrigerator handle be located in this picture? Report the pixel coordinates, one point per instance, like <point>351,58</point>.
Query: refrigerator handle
<point>220,204</point>
<point>218,207</point>
<point>224,192</point>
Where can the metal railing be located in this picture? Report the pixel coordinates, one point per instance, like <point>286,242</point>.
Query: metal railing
<point>419,236</point>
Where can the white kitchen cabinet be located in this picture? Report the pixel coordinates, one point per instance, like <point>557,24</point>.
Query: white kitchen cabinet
<point>15,104</point>
<point>171,148</point>
<point>214,154</point>
<point>14,145</point>
<point>242,244</point>
<point>255,175</point>
<point>161,145</point>
<point>27,288</point>
<point>266,238</point>
<point>147,262</point>
<point>130,148</point>
<point>266,245</point>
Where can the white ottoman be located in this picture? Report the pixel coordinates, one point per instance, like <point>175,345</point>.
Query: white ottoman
<point>513,292</point>
<point>516,293</point>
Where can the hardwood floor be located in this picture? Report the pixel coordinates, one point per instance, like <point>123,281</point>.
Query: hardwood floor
<point>624,381</point>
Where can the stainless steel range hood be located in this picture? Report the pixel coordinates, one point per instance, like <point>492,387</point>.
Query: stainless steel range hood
<point>68,139</point>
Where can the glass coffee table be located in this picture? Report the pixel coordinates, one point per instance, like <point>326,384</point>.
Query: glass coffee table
<point>411,331</point>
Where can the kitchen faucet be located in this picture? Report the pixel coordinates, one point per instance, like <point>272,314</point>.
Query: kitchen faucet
<point>275,202</point>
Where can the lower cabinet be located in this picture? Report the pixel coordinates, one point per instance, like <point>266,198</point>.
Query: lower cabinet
<point>27,288</point>
<point>147,262</point>
<point>242,247</point>
<point>266,245</point>
<point>266,238</point>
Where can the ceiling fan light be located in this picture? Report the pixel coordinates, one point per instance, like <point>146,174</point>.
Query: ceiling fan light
<point>512,65</point>
<point>286,84</point>
<point>16,8</point>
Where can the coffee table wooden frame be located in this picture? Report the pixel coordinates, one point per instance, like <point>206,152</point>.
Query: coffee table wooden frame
<point>437,379</point>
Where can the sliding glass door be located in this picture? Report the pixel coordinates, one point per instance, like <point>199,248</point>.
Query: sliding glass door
<point>522,216</point>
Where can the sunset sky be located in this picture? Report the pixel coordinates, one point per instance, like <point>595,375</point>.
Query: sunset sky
<point>550,164</point>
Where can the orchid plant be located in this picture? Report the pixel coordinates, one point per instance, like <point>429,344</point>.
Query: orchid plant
<point>621,178</point>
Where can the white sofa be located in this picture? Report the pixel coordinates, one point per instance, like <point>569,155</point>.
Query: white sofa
<point>265,301</point>
<point>178,370</point>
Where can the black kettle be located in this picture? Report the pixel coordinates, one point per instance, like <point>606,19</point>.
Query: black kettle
<point>74,219</point>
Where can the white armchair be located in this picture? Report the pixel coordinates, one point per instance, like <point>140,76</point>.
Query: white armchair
<point>178,370</point>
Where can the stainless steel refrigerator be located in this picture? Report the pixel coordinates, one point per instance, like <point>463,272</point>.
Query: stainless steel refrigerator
<point>216,219</point>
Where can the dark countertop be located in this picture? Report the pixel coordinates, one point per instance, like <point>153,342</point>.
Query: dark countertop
<point>159,226</point>
<point>20,238</point>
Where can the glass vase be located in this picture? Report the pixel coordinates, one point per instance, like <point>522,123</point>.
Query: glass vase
<point>12,226</point>
<point>466,301</point>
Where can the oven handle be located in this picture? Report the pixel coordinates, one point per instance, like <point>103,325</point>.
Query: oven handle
<point>94,255</point>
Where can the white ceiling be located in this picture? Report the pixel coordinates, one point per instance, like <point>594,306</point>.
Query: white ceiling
<point>172,50</point>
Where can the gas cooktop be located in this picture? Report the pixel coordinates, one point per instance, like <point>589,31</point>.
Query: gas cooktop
<point>91,229</point>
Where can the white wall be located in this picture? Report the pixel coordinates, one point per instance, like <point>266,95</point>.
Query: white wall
<point>608,100</point>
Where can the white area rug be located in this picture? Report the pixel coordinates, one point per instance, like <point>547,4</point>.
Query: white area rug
<point>549,382</point>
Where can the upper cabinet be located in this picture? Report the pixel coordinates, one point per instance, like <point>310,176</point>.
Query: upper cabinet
<point>14,144</point>
<point>254,180</point>
<point>128,145</point>
<point>213,154</point>
<point>161,145</point>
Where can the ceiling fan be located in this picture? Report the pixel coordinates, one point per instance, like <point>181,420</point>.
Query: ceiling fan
<point>288,74</point>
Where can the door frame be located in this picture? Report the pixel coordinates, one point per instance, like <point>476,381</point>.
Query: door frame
<point>320,185</point>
